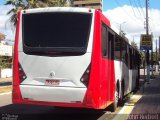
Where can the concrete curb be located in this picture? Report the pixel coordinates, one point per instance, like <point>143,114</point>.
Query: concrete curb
<point>5,93</point>
<point>2,80</point>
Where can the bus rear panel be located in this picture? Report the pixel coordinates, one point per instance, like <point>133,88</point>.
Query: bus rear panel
<point>52,60</point>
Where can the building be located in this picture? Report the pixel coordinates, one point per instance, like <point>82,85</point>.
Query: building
<point>95,4</point>
<point>2,36</point>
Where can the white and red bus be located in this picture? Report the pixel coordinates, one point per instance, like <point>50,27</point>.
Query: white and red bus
<point>71,57</point>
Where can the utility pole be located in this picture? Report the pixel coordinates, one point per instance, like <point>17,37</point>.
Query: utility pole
<point>156,57</point>
<point>152,55</point>
<point>147,33</point>
<point>120,29</point>
<point>70,2</point>
<point>133,39</point>
<point>156,51</point>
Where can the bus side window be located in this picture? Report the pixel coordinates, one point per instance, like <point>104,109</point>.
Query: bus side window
<point>134,62</point>
<point>117,50</point>
<point>127,55</point>
<point>130,58</point>
<point>111,37</point>
<point>123,50</point>
<point>108,37</point>
<point>104,41</point>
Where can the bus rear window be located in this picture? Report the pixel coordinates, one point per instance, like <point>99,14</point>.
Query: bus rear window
<point>55,32</point>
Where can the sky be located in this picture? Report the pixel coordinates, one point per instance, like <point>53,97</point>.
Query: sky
<point>119,3</point>
<point>129,14</point>
<point>5,26</point>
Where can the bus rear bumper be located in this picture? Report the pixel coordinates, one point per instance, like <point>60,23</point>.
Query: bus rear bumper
<point>53,94</point>
<point>39,95</point>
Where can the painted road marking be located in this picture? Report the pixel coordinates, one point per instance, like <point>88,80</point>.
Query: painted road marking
<point>127,109</point>
<point>5,93</point>
<point>6,86</point>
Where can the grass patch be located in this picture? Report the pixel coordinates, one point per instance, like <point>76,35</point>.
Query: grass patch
<point>127,97</point>
<point>155,73</point>
<point>6,89</point>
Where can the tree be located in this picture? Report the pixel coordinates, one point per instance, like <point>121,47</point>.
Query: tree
<point>5,62</point>
<point>122,33</point>
<point>46,3</point>
<point>2,36</point>
<point>142,58</point>
<point>27,4</point>
<point>18,5</point>
<point>134,44</point>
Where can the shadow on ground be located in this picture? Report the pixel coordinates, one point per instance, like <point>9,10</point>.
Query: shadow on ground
<point>150,100</point>
<point>31,112</point>
<point>5,84</point>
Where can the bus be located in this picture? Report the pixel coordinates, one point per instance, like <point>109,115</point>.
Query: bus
<point>71,57</point>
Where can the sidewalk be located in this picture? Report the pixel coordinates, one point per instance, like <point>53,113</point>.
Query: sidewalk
<point>5,85</point>
<point>149,104</point>
<point>2,80</point>
<point>5,82</point>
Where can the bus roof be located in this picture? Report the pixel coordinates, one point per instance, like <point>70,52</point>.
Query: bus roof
<point>59,9</point>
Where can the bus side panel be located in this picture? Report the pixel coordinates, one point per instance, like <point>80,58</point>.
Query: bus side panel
<point>107,85</point>
<point>112,81</point>
<point>93,92</point>
<point>101,88</point>
<point>16,94</point>
<point>134,77</point>
<point>107,75</point>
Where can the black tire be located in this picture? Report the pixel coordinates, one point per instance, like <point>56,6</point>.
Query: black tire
<point>121,99</point>
<point>137,83</point>
<point>115,103</point>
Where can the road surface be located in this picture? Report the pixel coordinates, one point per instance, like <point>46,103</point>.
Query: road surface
<point>33,112</point>
<point>5,99</point>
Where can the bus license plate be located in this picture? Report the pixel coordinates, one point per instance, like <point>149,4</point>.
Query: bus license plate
<point>52,82</point>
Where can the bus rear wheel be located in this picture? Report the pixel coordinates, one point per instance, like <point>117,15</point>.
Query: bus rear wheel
<point>121,101</point>
<point>115,103</point>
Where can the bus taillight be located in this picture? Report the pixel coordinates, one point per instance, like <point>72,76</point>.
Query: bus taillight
<point>22,75</point>
<point>85,77</point>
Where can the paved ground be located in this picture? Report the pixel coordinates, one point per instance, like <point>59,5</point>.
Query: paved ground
<point>5,86</point>
<point>148,107</point>
<point>5,81</point>
<point>5,99</point>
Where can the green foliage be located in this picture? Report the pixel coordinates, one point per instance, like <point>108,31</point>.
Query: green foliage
<point>142,55</point>
<point>46,3</point>
<point>154,57</point>
<point>18,5</point>
<point>134,44</point>
<point>5,62</point>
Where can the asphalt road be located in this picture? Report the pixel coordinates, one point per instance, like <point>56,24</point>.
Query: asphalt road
<point>33,112</point>
<point>5,99</point>
<point>5,81</point>
<point>5,84</point>
<point>30,112</point>
<point>150,102</point>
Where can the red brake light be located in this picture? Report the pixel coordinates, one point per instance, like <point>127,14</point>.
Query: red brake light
<point>22,75</point>
<point>85,77</point>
